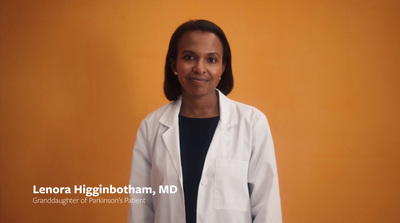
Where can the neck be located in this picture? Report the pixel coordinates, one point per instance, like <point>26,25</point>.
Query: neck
<point>200,107</point>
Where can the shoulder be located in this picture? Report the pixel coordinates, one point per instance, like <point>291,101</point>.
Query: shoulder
<point>245,109</point>
<point>241,111</point>
<point>153,121</point>
<point>155,116</point>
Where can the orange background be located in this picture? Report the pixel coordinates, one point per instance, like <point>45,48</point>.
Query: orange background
<point>77,77</point>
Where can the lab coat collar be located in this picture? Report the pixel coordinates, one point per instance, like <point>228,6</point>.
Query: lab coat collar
<point>228,116</point>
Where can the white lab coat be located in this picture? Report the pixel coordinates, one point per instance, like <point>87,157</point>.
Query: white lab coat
<point>239,182</point>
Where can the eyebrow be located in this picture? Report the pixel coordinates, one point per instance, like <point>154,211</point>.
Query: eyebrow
<point>191,52</point>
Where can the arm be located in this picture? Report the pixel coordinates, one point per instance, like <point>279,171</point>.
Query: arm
<point>140,177</point>
<point>263,176</point>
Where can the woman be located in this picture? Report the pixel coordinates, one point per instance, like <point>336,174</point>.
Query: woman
<point>217,152</point>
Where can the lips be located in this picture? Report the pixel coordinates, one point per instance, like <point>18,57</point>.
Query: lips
<point>197,79</point>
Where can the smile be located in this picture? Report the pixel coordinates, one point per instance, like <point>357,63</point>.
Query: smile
<point>197,79</point>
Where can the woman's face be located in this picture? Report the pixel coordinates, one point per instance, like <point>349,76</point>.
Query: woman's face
<point>199,63</point>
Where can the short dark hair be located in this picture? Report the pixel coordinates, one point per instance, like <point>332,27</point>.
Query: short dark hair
<point>172,87</point>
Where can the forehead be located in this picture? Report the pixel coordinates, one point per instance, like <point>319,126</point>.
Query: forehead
<point>200,41</point>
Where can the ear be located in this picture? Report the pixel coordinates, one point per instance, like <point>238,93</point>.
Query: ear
<point>223,68</point>
<point>172,64</point>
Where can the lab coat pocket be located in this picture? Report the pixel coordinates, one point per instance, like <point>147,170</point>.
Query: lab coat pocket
<point>231,191</point>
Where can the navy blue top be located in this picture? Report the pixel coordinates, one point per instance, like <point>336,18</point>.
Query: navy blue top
<point>195,135</point>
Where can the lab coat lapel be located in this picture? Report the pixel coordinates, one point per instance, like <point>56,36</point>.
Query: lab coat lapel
<point>227,119</point>
<point>171,136</point>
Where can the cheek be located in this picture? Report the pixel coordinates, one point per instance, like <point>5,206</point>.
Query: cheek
<point>183,66</point>
<point>220,71</point>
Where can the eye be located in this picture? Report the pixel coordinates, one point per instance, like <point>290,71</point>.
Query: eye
<point>212,60</point>
<point>188,57</point>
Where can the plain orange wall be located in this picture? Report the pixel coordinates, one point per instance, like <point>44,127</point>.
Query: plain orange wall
<point>77,77</point>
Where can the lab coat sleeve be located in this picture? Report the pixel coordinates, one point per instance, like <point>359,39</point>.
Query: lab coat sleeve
<point>263,176</point>
<point>140,177</point>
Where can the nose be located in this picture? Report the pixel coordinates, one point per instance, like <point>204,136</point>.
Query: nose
<point>200,67</point>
